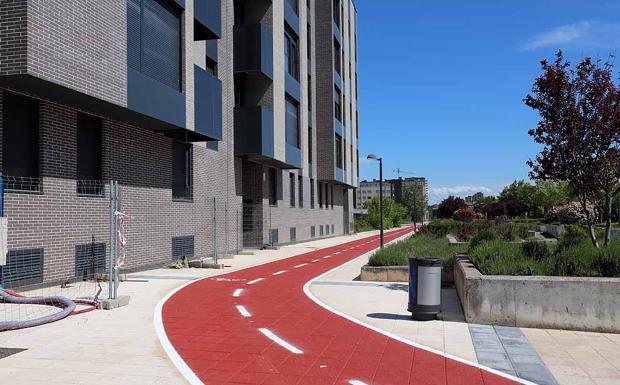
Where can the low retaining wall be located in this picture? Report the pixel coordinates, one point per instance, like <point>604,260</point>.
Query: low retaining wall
<point>574,303</point>
<point>384,273</point>
<point>555,230</point>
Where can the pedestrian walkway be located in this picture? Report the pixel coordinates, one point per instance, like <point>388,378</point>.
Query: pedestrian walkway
<point>261,326</point>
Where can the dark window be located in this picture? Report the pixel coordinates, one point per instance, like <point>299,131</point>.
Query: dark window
<point>333,229</point>
<point>293,234</point>
<point>344,154</point>
<point>182,247</point>
<point>89,155</point>
<point>344,109</point>
<point>273,237</point>
<point>337,104</point>
<point>336,4</point>
<point>337,58</point>
<point>89,260</point>
<point>292,189</point>
<point>300,187</point>
<point>310,96</point>
<point>20,143</point>
<point>311,193</point>
<point>326,196</point>
<point>291,53</point>
<point>338,145</point>
<point>211,66</point>
<point>181,171</point>
<point>358,163</point>
<point>154,40</point>
<point>292,122</point>
<point>331,199</point>
<point>273,187</point>
<point>312,231</point>
<point>321,230</point>
<point>310,145</point>
<point>23,268</point>
<point>294,5</point>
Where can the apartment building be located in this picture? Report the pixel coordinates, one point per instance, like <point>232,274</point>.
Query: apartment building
<point>392,188</point>
<point>210,114</point>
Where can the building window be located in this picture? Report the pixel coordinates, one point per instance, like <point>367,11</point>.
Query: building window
<point>300,186</point>
<point>309,42</point>
<point>336,4</point>
<point>89,156</point>
<point>326,195</point>
<point>344,154</point>
<point>310,96</point>
<point>311,193</point>
<point>337,104</point>
<point>292,122</point>
<point>181,171</point>
<point>291,53</point>
<point>338,145</point>
<point>154,40</point>
<point>292,189</point>
<point>20,143</point>
<point>273,187</point>
<point>310,145</point>
<point>331,199</point>
<point>337,58</point>
<point>294,5</point>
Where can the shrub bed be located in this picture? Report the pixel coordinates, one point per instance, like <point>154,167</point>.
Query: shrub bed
<point>422,245</point>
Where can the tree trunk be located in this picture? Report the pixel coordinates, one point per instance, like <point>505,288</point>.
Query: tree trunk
<point>590,221</point>
<point>608,209</point>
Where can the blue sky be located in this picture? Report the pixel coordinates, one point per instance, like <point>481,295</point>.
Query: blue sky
<point>442,82</point>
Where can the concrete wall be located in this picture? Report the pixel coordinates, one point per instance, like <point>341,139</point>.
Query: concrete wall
<point>573,303</point>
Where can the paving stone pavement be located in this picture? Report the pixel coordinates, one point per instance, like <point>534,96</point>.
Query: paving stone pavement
<point>507,349</point>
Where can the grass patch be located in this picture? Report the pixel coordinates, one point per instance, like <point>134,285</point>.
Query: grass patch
<point>421,245</point>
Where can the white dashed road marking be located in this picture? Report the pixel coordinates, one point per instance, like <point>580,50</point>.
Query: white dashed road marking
<point>357,382</point>
<point>315,260</point>
<point>279,272</point>
<point>243,311</point>
<point>327,256</point>
<point>280,341</point>
<point>237,293</point>
<point>255,281</point>
<point>302,265</point>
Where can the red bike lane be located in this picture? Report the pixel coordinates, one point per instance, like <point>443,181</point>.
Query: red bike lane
<point>258,326</point>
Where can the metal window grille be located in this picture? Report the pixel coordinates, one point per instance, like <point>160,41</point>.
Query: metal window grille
<point>182,247</point>
<point>90,259</point>
<point>312,231</point>
<point>293,234</point>
<point>23,268</point>
<point>91,187</point>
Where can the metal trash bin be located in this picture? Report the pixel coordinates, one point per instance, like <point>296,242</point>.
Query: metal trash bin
<point>425,288</point>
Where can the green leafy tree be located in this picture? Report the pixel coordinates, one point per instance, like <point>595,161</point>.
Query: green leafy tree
<point>413,196</point>
<point>551,193</point>
<point>520,193</point>
<point>393,213</point>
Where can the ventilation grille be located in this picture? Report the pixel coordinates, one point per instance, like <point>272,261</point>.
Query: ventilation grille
<point>23,268</point>
<point>182,247</point>
<point>273,237</point>
<point>89,260</point>
<point>293,236</point>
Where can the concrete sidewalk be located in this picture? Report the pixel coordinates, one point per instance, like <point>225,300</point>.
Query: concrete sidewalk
<point>119,346</point>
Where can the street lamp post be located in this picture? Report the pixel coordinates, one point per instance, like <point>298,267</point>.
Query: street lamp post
<point>375,157</point>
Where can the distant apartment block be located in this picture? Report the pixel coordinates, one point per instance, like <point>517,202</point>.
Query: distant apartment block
<point>214,116</point>
<point>392,188</point>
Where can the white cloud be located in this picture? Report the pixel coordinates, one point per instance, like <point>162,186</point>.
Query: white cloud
<point>585,34</point>
<point>437,194</point>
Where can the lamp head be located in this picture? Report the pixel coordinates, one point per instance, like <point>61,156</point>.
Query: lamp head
<point>373,157</point>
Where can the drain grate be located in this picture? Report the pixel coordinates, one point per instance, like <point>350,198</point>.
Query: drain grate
<point>6,352</point>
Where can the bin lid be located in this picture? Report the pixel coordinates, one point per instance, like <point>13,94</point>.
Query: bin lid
<point>425,261</point>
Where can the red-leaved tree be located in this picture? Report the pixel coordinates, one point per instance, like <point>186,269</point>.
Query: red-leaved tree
<point>579,130</point>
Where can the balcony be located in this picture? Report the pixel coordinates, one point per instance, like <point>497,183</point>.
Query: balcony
<point>253,50</point>
<point>207,19</point>
<point>255,138</point>
<point>208,104</point>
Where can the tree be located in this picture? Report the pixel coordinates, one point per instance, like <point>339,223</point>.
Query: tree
<point>393,213</point>
<point>448,206</point>
<point>551,193</point>
<point>413,196</point>
<point>579,130</point>
<point>519,197</point>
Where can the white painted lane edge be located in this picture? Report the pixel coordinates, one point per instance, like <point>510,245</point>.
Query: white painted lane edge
<point>315,260</point>
<point>394,336</point>
<point>327,256</point>
<point>243,311</point>
<point>279,272</point>
<point>298,266</point>
<point>255,281</point>
<point>237,293</point>
<point>269,334</point>
<point>176,359</point>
